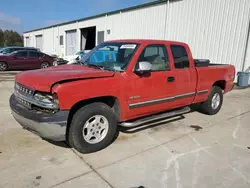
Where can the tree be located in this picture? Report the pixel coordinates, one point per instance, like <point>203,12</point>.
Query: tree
<point>1,37</point>
<point>10,38</point>
<point>6,35</point>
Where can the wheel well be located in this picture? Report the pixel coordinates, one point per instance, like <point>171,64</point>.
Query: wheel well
<point>221,84</point>
<point>111,101</point>
<point>4,62</point>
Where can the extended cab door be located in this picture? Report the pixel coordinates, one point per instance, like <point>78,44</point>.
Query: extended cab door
<point>185,76</point>
<point>151,93</point>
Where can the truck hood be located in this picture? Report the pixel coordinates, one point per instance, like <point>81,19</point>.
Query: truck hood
<point>42,80</point>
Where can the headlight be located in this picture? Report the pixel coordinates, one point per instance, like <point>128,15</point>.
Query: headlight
<point>47,100</point>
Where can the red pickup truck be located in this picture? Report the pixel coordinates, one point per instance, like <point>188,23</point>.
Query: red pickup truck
<point>146,80</point>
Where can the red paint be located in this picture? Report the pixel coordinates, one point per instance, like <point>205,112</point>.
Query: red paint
<point>94,83</point>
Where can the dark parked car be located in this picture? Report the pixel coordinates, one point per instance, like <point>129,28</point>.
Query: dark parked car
<point>25,59</point>
<point>9,50</point>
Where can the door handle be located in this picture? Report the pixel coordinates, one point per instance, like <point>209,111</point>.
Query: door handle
<point>170,79</point>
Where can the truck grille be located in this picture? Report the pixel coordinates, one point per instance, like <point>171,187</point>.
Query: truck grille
<point>24,102</point>
<point>24,90</point>
<point>19,91</point>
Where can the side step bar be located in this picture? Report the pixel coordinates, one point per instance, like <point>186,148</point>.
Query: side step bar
<point>151,118</point>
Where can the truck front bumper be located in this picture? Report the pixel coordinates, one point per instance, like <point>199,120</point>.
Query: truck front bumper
<point>47,126</point>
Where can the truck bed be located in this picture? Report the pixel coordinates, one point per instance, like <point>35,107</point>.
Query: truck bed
<point>208,73</point>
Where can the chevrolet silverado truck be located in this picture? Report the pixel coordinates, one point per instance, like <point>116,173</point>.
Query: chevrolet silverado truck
<point>147,80</point>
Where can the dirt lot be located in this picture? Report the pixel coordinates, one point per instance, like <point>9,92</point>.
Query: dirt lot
<point>193,150</point>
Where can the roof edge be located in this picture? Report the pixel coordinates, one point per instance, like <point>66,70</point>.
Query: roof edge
<point>103,14</point>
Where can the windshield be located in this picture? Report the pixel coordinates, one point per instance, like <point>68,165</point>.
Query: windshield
<point>6,50</point>
<point>110,56</point>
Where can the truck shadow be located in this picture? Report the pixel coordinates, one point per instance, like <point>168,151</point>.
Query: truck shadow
<point>61,144</point>
<point>157,123</point>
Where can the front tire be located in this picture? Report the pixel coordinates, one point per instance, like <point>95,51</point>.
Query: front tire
<point>214,102</point>
<point>92,128</point>
<point>3,66</point>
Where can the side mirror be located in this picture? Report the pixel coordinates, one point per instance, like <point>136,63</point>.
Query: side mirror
<point>143,67</point>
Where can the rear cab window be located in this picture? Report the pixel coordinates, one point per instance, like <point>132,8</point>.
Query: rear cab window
<point>180,56</point>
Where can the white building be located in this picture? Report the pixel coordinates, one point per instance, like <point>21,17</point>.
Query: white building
<point>215,29</point>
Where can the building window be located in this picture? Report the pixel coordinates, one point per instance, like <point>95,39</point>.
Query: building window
<point>180,56</point>
<point>100,37</point>
<point>61,40</point>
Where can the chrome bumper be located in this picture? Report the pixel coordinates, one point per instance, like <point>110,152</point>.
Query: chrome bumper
<point>47,126</point>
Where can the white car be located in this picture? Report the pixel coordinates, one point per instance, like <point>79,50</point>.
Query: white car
<point>78,54</point>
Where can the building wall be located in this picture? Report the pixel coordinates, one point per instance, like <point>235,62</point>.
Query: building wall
<point>247,58</point>
<point>144,23</point>
<point>214,29</point>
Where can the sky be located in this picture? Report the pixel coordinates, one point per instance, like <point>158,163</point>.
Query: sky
<point>24,15</point>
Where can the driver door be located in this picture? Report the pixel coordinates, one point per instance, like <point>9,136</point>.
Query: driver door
<point>153,92</point>
<point>19,59</point>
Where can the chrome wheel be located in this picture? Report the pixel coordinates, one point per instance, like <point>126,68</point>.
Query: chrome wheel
<point>3,66</point>
<point>44,65</point>
<point>95,129</point>
<point>216,101</point>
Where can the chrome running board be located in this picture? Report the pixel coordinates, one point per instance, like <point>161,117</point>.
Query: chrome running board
<point>151,118</point>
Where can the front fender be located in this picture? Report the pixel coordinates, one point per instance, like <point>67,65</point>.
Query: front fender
<point>71,93</point>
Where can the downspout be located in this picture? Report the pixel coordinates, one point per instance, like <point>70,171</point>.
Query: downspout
<point>106,27</point>
<point>121,27</point>
<point>246,46</point>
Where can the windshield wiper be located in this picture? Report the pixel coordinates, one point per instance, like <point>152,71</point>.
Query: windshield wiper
<point>93,65</point>
<point>100,67</point>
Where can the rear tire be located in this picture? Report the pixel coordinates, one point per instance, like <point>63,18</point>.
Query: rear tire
<point>92,128</point>
<point>3,66</point>
<point>214,102</point>
<point>44,65</point>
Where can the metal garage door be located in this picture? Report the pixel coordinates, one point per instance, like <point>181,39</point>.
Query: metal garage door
<point>70,42</point>
<point>39,42</point>
<point>27,41</point>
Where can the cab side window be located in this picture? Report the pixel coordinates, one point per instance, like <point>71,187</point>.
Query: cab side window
<point>180,56</point>
<point>34,54</point>
<point>22,54</point>
<point>156,55</point>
